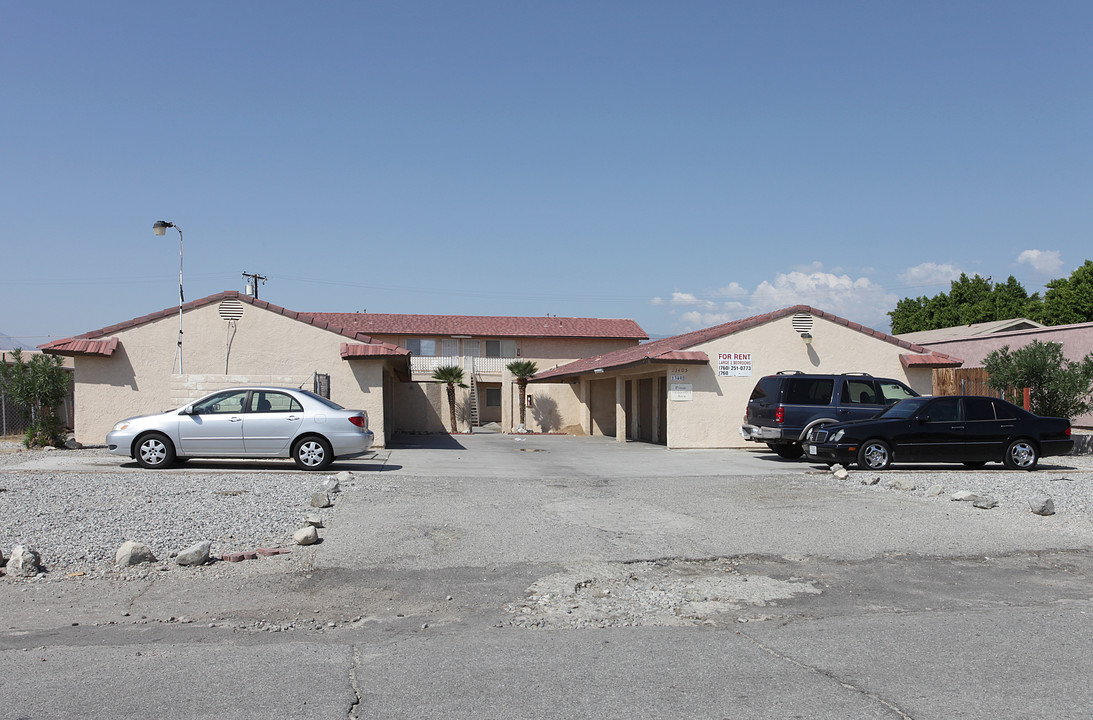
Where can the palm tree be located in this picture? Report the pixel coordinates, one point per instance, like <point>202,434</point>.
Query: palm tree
<point>452,375</point>
<point>522,370</point>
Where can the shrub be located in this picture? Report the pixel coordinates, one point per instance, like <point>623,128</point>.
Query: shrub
<point>1058,387</point>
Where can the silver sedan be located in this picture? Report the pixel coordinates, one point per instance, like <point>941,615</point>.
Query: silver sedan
<point>246,422</point>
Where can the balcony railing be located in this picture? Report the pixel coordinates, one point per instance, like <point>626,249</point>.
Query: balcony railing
<point>471,365</point>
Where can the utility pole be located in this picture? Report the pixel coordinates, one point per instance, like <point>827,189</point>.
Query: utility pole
<point>254,278</point>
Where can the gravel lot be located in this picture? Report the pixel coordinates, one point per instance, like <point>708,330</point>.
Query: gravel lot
<point>77,520</point>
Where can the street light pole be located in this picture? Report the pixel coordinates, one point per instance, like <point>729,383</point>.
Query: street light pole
<point>160,228</point>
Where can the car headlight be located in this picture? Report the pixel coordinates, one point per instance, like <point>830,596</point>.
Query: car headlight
<point>120,426</point>
<point>837,436</point>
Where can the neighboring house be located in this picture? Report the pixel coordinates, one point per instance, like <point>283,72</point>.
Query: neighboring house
<point>379,363</point>
<point>974,347</point>
<point>483,346</point>
<point>960,332</point>
<point>691,390</point>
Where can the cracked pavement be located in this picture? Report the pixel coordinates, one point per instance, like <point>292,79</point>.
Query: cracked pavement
<point>588,580</point>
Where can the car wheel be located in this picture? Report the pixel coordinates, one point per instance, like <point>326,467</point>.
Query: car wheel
<point>789,451</point>
<point>312,453</point>
<point>974,464</point>
<point>874,455</point>
<point>154,451</point>
<point>1021,455</point>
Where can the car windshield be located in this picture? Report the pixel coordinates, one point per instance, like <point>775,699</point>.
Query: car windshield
<point>904,408</point>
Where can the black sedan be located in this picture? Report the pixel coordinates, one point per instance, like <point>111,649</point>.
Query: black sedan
<point>955,428</point>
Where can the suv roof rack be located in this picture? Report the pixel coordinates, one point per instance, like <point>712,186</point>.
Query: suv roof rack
<point>789,372</point>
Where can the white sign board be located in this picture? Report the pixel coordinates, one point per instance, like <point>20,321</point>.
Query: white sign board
<point>729,364</point>
<point>680,392</point>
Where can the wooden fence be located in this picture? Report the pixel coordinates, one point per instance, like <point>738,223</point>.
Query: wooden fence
<point>972,381</point>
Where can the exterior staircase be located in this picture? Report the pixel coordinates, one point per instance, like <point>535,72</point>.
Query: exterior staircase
<point>473,402</point>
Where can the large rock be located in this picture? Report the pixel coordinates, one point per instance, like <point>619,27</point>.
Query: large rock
<point>197,554</point>
<point>901,484</point>
<point>306,536</point>
<point>1042,505</point>
<point>985,502</point>
<point>23,562</point>
<point>320,500</point>
<point>132,552</point>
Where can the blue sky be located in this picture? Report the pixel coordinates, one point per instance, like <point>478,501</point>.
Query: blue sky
<point>682,164</point>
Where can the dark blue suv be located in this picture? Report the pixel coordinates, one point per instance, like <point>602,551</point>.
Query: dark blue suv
<point>784,407</point>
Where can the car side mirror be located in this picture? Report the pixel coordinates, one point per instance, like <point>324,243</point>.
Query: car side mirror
<point>923,419</point>
<point>188,410</point>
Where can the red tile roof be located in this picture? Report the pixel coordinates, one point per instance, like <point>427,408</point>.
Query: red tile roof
<point>932,360</point>
<point>663,350</point>
<point>73,346</point>
<point>351,350</point>
<point>485,325</point>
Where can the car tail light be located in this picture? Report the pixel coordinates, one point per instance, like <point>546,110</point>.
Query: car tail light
<point>1068,431</point>
<point>360,421</point>
<point>780,414</point>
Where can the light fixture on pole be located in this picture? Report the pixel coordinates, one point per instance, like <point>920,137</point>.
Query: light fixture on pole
<point>160,228</point>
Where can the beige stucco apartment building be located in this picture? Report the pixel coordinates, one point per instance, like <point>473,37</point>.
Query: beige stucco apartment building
<point>378,363</point>
<point>691,390</point>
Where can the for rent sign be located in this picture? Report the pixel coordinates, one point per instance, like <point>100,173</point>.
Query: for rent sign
<point>733,364</point>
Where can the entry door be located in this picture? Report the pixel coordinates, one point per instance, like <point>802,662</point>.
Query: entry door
<point>215,427</point>
<point>270,423</point>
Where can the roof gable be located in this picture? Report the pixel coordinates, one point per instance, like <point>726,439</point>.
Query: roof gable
<point>77,345</point>
<point>667,349</point>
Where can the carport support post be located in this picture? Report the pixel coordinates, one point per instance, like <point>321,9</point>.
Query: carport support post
<point>620,409</point>
<point>586,405</point>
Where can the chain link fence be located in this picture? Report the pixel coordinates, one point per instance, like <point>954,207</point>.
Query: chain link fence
<point>15,419</point>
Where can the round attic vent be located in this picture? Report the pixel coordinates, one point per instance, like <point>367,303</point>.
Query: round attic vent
<point>802,323</point>
<point>231,309</point>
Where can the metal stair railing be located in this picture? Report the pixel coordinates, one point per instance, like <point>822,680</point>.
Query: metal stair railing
<point>473,399</point>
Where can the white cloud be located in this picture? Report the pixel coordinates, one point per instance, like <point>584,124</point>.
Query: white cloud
<point>732,290</point>
<point>1045,262</point>
<point>695,320</point>
<point>857,299</point>
<point>680,298</point>
<point>930,274</point>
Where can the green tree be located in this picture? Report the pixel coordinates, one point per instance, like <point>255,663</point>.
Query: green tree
<point>1058,387</point>
<point>522,370</point>
<point>1069,300</point>
<point>38,386</point>
<point>451,375</point>
<point>970,300</point>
